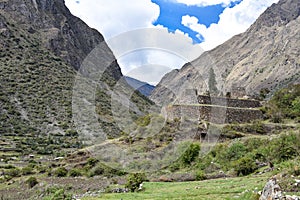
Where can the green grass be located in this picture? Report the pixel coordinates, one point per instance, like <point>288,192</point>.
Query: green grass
<point>218,189</point>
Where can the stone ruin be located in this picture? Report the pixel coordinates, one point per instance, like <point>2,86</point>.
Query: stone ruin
<point>219,110</point>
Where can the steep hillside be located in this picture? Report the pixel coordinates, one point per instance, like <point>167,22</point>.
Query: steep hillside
<point>42,47</point>
<point>142,87</point>
<point>265,56</point>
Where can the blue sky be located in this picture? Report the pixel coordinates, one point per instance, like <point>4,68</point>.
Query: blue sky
<point>187,27</point>
<point>171,16</point>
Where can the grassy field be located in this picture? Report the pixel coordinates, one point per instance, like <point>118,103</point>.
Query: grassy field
<point>220,189</point>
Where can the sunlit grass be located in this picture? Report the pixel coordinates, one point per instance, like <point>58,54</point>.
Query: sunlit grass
<point>219,189</point>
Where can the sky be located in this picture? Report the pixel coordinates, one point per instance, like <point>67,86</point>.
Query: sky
<point>151,37</point>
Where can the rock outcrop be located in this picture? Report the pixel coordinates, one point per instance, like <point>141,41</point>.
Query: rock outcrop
<point>62,33</point>
<point>272,191</point>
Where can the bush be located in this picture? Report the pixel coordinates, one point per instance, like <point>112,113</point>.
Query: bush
<point>296,107</point>
<point>13,172</point>
<point>60,172</point>
<point>190,154</point>
<point>31,182</point>
<point>74,173</point>
<point>285,103</point>
<point>245,166</point>
<point>92,162</point>
<point>200,175</point>
<point>134,181</point>
<point>285,147</point>
<point>57,193</point>
<point>174,167</point>
<point>143,121</point>
<point>235,151</point>
<point>27,170</point>
<point>104,170</point>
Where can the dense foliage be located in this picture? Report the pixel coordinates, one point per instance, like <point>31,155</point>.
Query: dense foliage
<point>134,181</point>
<point>285,104</point>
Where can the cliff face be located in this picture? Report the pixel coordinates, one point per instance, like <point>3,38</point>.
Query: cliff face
<point>265,56</point>
<point>42,45</point>
<point>62,33</point>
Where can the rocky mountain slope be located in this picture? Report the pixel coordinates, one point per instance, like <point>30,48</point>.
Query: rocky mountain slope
<point>42,47</point>
<point>265,57</point>
<point>142,87</point>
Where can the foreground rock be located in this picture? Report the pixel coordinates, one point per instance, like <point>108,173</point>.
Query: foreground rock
<point>272,191</point>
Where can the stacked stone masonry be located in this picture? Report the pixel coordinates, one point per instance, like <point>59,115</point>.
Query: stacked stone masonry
<point>222,101</point>
<point>216,111</point>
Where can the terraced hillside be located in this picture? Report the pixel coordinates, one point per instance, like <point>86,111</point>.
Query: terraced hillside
<point>42,47</point>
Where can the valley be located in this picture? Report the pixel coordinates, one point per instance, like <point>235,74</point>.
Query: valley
<point>73,127</point>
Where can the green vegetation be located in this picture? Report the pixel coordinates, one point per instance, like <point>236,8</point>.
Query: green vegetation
<point>36,118</point>
<point>60,172</point>
<point>134,181</point>
<point>56,193</point>
<point>31,182</point>
<point>284,104</point>
<point>75,173</point>
<point>218,189</point>
<point>190,154</point>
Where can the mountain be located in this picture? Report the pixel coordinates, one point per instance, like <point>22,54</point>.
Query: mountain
<point>262,60</point>
<point>142,87</point>
<point>60,83</point>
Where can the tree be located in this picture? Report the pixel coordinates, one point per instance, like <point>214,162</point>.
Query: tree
<point>212,83</point>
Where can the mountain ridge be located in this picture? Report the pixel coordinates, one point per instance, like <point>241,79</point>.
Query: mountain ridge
<point>263,57</point>
<point>142,87</point>
<point>45,51</point>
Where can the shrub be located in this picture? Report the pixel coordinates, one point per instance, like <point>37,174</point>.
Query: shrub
<point>143,121</point>
<point>174,167</point>
<point>134,181</point>
<point>8,167</point>
<point>296,107</point>
<point>200,175</point>
<point>285,147</point>
<point>71,133</point>
<point>190,154</point>
<point>245,166</point>
<point>74,173</point>
<point>31,182</point>
<point>285,103</point>
<point>13,172</point>
<point>27,170</point>
<point>96,171</point>
<point>104,170</point>
<point>58,193</point>
<point>92,162</point>
<point>60,172</point>
<point>235,151</point>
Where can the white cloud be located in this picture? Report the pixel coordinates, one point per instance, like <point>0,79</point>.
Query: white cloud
<point>144,47</point>
<point>205,2</point>
<point>232,21</point>
<point>136,43</point>
<point>153,47</point>
<point>112,17</point>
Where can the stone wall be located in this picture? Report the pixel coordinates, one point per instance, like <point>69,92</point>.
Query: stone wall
<point>222,101</point>
<point>214,114</point>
